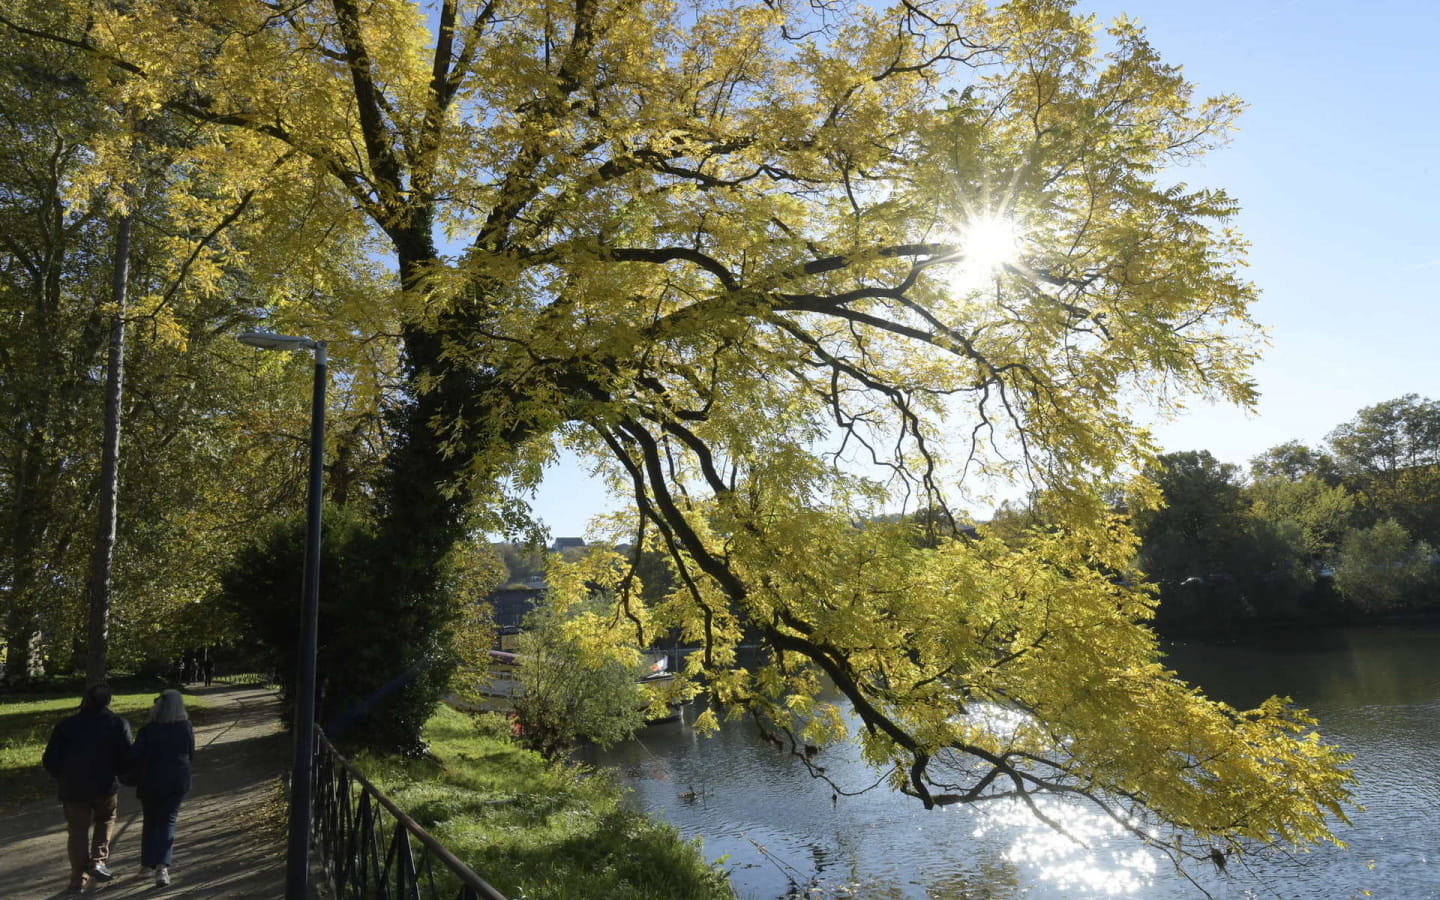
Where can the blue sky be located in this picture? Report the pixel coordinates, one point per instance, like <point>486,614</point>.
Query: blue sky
<point>1335,167</point>
<point>1337,170</point>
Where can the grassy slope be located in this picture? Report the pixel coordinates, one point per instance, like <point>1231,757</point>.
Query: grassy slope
<point>25,724</point>
<point>538,831</point>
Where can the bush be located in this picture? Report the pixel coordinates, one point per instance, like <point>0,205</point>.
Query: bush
<point>1382,570</point>
<point>571,696</point>
<point>385,654</point>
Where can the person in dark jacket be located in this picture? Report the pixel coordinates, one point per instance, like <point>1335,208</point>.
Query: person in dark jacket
<point>160,764</point>
<point>85,754</point>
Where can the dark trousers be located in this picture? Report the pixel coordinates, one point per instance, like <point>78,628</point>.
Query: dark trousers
<point>157,835</point>
<point>84,848</point>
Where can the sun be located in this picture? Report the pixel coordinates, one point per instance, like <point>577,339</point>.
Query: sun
<point>985,246</point>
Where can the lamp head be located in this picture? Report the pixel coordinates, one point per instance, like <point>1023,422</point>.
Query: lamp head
<point>268,340</point>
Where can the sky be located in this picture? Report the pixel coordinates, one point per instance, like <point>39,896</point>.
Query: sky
<point>1336,166</point>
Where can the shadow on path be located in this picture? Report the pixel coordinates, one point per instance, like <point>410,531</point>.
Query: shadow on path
<point>228,842</point>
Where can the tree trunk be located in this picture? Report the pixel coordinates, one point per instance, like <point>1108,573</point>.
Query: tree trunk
<point>23,656</point>
<point>425,498</point>
<point>103,555</point>
<point>22,645</point>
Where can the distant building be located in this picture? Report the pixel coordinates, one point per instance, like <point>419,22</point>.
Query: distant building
<point>512,603</point>
<point>515,600</point>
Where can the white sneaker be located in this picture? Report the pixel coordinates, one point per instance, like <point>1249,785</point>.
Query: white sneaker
<point>162,876</point>
<point>146,872</point>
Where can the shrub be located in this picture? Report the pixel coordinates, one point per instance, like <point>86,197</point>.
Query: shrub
<point>385,655</point>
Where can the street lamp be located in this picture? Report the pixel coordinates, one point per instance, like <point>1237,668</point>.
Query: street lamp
<point>297,855</point>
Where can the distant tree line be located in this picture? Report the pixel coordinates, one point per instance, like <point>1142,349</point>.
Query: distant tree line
<point>1327,533</point>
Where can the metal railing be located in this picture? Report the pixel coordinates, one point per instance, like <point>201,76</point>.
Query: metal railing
<point>368,857</point>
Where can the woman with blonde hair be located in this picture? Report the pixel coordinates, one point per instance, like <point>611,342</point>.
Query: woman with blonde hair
<point>160,763</point>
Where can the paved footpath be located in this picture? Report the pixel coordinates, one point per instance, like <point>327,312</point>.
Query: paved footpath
<point>225,844</point>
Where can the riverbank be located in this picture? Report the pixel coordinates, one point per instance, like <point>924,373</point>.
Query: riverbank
<point>1230,631</point>
<point>538,830</point>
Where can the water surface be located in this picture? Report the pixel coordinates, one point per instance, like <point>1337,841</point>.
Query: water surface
<point>784,834</point>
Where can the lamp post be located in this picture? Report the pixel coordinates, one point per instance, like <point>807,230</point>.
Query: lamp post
<point>297,854</point>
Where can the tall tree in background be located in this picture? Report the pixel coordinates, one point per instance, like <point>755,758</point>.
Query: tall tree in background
<point>199,478</point>
<point>53,270</point>
<point>738,252</point>
<point>1389,437</point>
<point>102,552</point>
<point>1391,454</point>
<point>1193,533</point>
<point>1295,461</point>
<point>1214,561</point>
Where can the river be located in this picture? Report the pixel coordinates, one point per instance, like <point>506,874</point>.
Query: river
<point>784,834</point>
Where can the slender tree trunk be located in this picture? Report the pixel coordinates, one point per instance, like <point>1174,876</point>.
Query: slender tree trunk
<point>19,613</point>
<point>22,644</point>
<point>23,657</point>
<point>103,555</point>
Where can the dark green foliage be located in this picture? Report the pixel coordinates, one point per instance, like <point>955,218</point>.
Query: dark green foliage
<point>390,605</point>
<point>657,576</point>
<point>385,652</point>
<point>53,282</point>
<point>1381,569</point>
<point>521,561</point>
<point>1188,545</point>
<point>1398,434</point>
<point>398,594</point>
<point>1320,534</point>
<point>1390,454</point>
<point>1409,496</point>
<point>1214,561</point>
<point>1295,461</point>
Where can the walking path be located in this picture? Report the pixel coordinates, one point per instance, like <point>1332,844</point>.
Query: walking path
<point>225,844</point>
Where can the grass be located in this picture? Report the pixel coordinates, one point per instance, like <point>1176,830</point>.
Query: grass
<point>536,830</point>
<point>27,718</point>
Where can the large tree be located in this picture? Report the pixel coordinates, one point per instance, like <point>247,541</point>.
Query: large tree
<point>1390,453</point>
<point>778,265</point>
<point>1389,437</point>
<point>1320,512</point>
<point>1295,461</point>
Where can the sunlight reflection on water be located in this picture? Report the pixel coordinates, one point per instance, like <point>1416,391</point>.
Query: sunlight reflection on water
<point>1092,854</point>
<point>1376,693</point>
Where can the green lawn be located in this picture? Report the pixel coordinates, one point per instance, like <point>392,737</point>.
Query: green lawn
<point>25,723</point>
<point>538,831</point>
